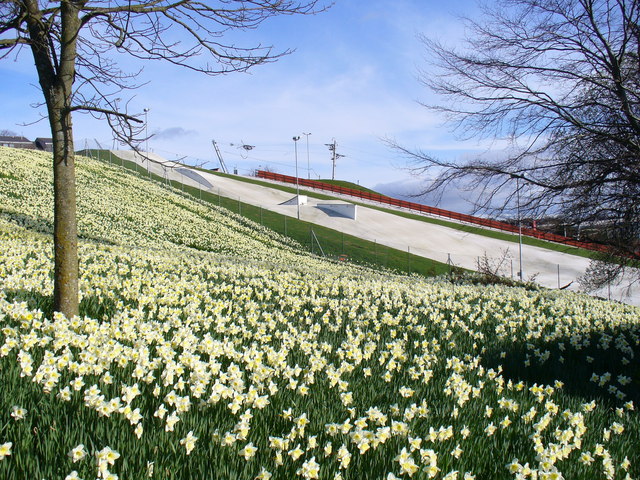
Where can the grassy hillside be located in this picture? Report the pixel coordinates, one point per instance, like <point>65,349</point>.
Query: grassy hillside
<point>207,343</point>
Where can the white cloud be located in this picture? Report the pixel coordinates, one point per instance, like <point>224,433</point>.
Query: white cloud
<point>172,133</point>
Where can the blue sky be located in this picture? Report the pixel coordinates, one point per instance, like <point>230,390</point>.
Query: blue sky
<point>353,77</point>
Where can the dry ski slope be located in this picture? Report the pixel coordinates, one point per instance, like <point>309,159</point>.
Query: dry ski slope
<point>420,238</point>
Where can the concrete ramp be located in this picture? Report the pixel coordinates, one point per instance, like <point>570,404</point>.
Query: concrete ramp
<point>194,175</point>
<point>339,209</point>
<point>297,200</point>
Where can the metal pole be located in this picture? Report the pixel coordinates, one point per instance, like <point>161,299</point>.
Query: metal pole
<point>308,164</point>
<point>521,274</point>
<point>333,169</point>
<point>146,134</point>
<point>295,146</point>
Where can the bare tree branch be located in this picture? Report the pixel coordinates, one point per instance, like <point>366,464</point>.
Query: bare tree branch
<point>559,79</point>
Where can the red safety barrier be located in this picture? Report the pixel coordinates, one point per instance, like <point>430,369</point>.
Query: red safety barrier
<point>461,217</point>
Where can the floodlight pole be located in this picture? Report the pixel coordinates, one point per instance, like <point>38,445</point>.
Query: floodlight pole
<point>146,134</point>
<point>308,165</point>
<point>295,146</point>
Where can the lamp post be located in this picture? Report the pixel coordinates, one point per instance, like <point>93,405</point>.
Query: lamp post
<point>146,134</point>
<point>295,146</point>
<point>308,166</point>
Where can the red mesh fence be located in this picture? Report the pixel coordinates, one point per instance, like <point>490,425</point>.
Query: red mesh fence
<point>417,207</point>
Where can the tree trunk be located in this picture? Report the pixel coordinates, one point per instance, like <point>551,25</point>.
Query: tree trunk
<point>65,230</point>
<point>56,74</point>
<point>65,233</point>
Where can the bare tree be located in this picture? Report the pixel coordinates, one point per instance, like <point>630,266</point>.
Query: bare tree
<point>8,133</point>
<point>75,46</point>
<point>560,81</point>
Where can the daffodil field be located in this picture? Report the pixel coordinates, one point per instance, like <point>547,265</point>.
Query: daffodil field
<point>209,347</point>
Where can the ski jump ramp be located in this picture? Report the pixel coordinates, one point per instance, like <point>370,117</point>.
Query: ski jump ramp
<point>339,208</point>
<point>297,200</point>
